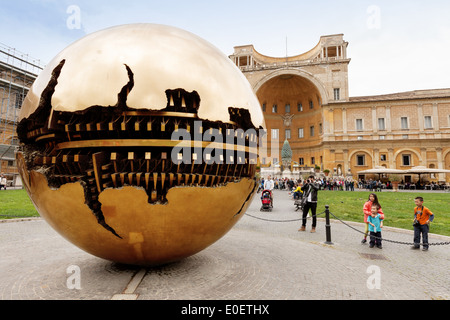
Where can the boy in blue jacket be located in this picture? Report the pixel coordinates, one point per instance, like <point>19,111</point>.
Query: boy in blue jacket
<point>375,225</point>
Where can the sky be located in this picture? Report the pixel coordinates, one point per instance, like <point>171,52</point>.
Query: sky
<point>394,46</point>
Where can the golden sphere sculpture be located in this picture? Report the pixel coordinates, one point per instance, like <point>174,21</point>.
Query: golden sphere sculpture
<point>139,144</point>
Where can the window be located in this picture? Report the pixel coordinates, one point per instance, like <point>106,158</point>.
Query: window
<point>320,128</point>
<point>274,133</point>
<point>300,133</point>
<point>313,160</point>
<point>406,159</point>
<point>274,108</point>
<point>311,131</point>
<point>311,104</point>
<point>288,134</point>
<point>404,122</point>
<point>428,123</point>
<point>359,124</point>
<point>19,100</point>
<point>299,107</point>
<point>360,138</point>
<point>287,108</point>
<point>264,107</point>
<point>337,94</point>
<point>382,137</point>
<point>381,124</point>
<point>383,157</point>
<point>301,161</point>
<point>360,160</point>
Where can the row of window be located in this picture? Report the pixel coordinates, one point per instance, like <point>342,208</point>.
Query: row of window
<point>361,159</point>
<point>404,122</point>
<point>287,107</point>
<point>301,132</point>
<point>301,161</point>
<point>428,124</point>
<point>15,99</point>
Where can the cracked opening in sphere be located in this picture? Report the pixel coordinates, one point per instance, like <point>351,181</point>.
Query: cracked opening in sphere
<point>105,147</point>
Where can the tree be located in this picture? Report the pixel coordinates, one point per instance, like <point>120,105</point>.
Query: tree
<point>286,154</point>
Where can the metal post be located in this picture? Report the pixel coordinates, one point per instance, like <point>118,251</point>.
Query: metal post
<point>327,225</point>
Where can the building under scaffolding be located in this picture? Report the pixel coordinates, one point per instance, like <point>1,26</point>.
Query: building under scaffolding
<point>17,73</point>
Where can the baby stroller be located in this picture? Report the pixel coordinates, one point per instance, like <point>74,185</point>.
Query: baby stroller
<point>266,201</point>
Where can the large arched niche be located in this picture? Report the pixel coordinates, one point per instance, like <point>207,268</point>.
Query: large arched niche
<point>300,125</point>
<point>290,86</point>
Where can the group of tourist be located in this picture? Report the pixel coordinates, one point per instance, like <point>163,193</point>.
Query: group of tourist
<point>307,191</point>
<point>374,216</point>
<point>334,183</point>
<point>324,183</point>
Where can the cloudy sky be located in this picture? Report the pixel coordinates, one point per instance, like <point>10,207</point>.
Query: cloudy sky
<point>394,45</point>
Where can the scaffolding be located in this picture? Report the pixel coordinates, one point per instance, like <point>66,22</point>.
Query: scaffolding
<point>18,71</point>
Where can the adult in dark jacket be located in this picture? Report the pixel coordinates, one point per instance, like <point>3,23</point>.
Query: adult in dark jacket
<point>310,189</point>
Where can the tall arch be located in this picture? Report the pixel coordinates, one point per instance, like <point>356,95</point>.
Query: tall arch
<point>294,72</point>
<point>291,101</point>
<point>408,150</point>
<point>366,151</point>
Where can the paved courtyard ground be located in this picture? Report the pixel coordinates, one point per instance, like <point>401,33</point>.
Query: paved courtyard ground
<point>257,260</point>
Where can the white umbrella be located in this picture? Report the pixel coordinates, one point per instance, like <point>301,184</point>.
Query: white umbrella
<point>382,170</point>
<point>424,170</point>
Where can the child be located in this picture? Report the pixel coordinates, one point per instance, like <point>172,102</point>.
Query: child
<point>375,224</point>
<point>422,218</point>
<point>367,210</point>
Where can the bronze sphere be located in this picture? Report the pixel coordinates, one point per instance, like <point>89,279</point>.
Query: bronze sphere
<point>139,144</point>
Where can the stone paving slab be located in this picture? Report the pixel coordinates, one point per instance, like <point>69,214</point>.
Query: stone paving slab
<point>256,260</point>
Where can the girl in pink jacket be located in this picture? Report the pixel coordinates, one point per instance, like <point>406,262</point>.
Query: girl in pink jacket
<point>367,209</point>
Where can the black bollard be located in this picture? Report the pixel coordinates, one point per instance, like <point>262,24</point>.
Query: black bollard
<point>327,225</point>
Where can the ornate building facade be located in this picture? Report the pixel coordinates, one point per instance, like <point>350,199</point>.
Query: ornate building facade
<point>305,100</point>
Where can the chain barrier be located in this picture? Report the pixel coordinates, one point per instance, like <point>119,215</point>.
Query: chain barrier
<point>293,220</point>
<point>353,228</point>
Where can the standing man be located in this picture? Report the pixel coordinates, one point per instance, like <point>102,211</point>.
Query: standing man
<point>269,185</point>
<point>310,202</point>
<point>422,218</point>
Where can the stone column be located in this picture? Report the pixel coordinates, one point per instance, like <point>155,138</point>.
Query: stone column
<point>346,162</point>
<point>423,153</point>
<point>420,116</point>
<point>388,119</point>
<point>344,123</point>
<point>436,118</point>
<point>374,120</point>
<point>440,160</point>
<point>376,157</point>
<point>391,158</point>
